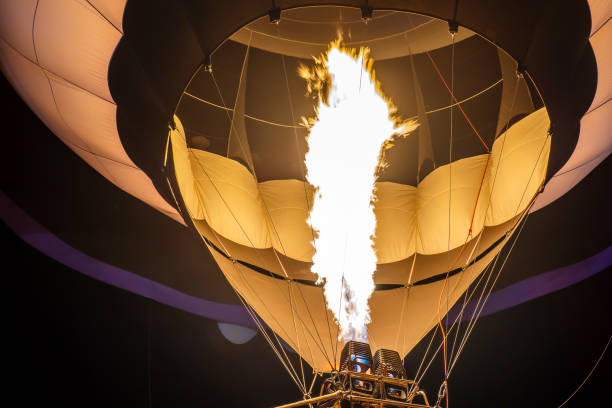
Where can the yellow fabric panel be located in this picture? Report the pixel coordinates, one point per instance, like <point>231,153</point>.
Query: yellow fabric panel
<point>434,196</point>
<point>401,317</point>
<point>298,313</point>
<point>272,300</point>
<point>395,210</point>
<point>183,172</point>
<point>519,159</point>
<point>288,204</point>
<point>231,200</point>
<point>268,258</point>
<point>426,266</point>
<point>410,219</point>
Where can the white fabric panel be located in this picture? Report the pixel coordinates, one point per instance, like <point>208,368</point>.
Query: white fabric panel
<point>395,211</point>
<point>16,18</point>
<point>563,182</point>
<point>464,178</point>
<point>112,10</point>
<point>601,11</point>
<point>184,175</point>
<point>135,182</point>
<point>75,42</point>
<point>602,47</point>
<point>594,145</point>
<point>517,168</point>
<point>287,203</point>
<point>231,200</point>
<point>595,137</point>
<point>596,126</point>
<point>33,86</point>
<point>94,162</point>
<point>91,118</point>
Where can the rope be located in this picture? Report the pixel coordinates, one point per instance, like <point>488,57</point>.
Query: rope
<point>299,156</point>
<point>255,118</point>
<point>261,259</point>
<point>588,375</point>
<point>452,94</point>
<point>321,347</point>
<point>288,366</point>
<point>526,211</point>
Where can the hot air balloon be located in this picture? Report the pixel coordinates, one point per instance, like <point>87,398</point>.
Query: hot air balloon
<point>201,120</point>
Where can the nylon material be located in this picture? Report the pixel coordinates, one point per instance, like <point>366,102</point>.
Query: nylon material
<point>76,43</point>
<point>16,25</point>
<point>515,169</point>
<point>395,211</point>
<point>32,84</point>
<point>427,37</point>
<point>135,182</point>
<point>420,307</point>
<point>398,235</point>
<point>93,161</point>
<point>262,258</point>
<point>562,183</point>
<point>269,298</point>
<point>595,137</point>
<point>519,100</point>
<point>112,10</point>
<point>183,172</point>
<point>427,266</point>
<point>433,200</point>
<point>230,192</point>
<point>91,118</point>
<point>309,306</point>
<point>603,55</point>
<point>286,202</point>
<point>237,141</point>
<point>601,11</point>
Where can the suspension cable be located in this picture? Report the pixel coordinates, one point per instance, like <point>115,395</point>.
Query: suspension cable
<point>588,375</point>
<point>321,347</point>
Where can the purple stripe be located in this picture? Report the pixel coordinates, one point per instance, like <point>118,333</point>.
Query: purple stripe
<point>539,285</point>
<point>44,241</point>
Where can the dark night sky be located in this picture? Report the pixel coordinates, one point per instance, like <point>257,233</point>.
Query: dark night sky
<point>75,341</point>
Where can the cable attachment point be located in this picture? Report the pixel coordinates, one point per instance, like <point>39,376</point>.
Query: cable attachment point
<point>207,64</point>
<point>171,124</point>
<point>441,393</point>
<point>274,15</point>
<point>453,27</point>
<point>520,70</point>
<point>366,14</point>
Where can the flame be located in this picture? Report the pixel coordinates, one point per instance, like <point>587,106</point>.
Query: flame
<point>354,125</point>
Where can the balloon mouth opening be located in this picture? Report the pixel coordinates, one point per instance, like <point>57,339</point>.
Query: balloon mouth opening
<point>251,86</point>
